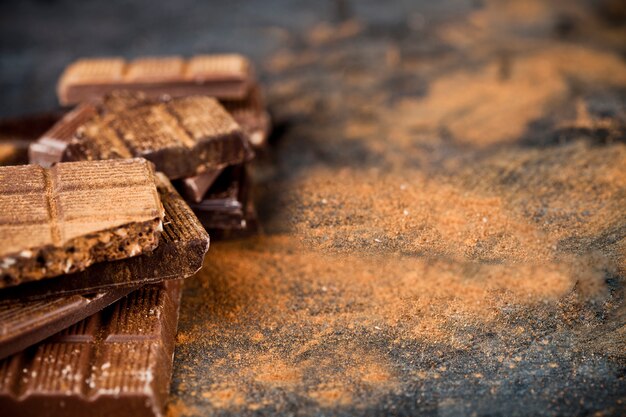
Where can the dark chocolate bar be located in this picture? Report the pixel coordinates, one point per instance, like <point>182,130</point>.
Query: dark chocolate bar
<point>115,363</point>
<point>18,132</point>
<point>180,253</point>
<point>63,219</point>
<point>252,116</point>
<point>183,137</point>
<point>223,76</point>
<point>24,323</point>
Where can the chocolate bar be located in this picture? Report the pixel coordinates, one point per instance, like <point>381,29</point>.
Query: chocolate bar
<point>18,132</point>
<point>223,76</point>
<point>180,253</point>
<point>63,219</point>
<point>24,323</point>
<point>116,362</point>
<point>225,205</point>
<point>183,137</point>
<point>252,116</point>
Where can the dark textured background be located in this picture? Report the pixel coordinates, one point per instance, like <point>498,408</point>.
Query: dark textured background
<point>443,202</point>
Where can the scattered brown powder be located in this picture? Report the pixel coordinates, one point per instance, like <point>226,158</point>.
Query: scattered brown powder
<point>442,216</point>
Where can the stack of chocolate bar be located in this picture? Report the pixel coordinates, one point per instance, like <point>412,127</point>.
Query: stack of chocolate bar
<point>95,237</point>
<point>199,120</point>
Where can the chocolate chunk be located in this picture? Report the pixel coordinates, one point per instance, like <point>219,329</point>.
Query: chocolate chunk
<point>252,116</point>
<point>24,323</point>
<point>182,246</point>
<point>225,206</point>
<point>63,219</point>
<point>194,188</point>
<point>248,227</point>
<point>183,137</point>
<point>18,132</point>
<point>222,76</point>
<point>116,362</point>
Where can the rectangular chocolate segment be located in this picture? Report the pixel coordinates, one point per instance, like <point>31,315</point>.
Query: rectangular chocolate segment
<point>227,76</point>
<point>17,133</point>
<point>63,219</point>
<point>183,137</point>
<point>252,116</point>
<point>180,253</point>
<point>24,323</point>
<point>117,362</point>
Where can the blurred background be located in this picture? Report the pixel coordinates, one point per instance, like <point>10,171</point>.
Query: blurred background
<point>38,38</point>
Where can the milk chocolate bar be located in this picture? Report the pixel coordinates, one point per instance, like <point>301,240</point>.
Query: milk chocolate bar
<point>24,323</point>
<point>17,133</point>
<point>228,76</point>
<point>115,363</point>
<point>252,116</point>
<point>180,253</point>
<point>63,219</point>
<point>183,137</point>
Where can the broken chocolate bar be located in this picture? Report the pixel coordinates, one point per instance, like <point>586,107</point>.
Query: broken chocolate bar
<point>225,205</point>
<point>227,76</point>
<point>183,137</point>
<point>17,133</point>
<point>63,219</point>
<point>252,116</point>
<point>24,323</point>
<point>116,362</point>
<point>180,253</point>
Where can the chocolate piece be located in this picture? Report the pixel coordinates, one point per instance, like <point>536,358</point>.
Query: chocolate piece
<point>115,363</point>
<point>18,132</point>
<point>182,246</point>
<point>252,226</point>
<point>183,137</point>
<point>51,144</point>
<point>252,116</point>
<point>222,76</point>
<point>63,219</point>
<point>24,323</point>
<point>225,205</point>
<point>194,188</point>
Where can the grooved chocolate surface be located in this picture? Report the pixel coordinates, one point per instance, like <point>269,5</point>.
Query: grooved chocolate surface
<point>182,137</point>
<point>252,115</point>
<point>222,76</point>
<point>116,361</point>
<point>65,218</point>
<point>24,323</point>
<point>180,253</point>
